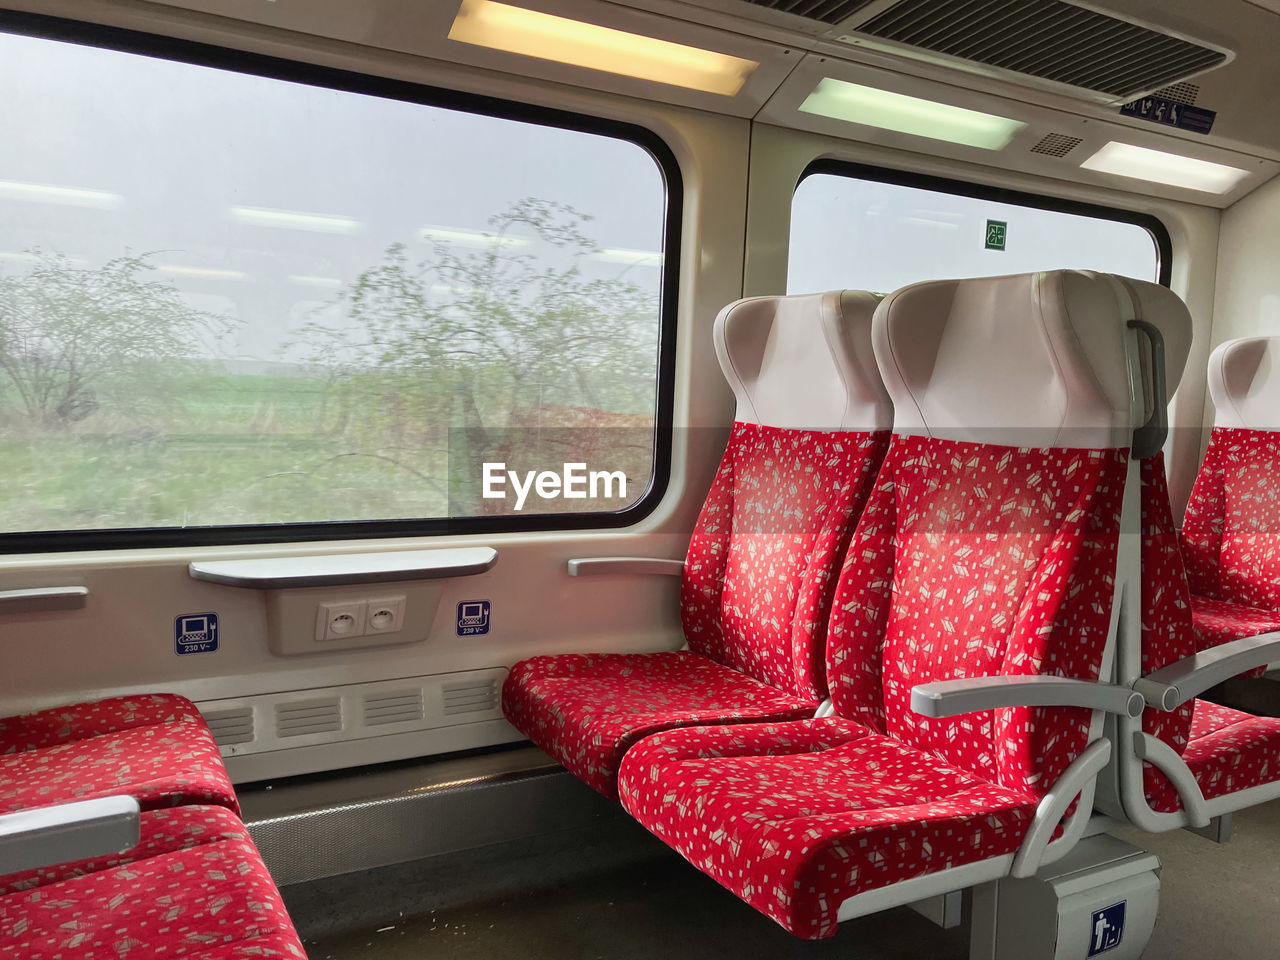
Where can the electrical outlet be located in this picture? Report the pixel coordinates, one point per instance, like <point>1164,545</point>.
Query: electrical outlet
<point>384,615</point>
<point>340,621</point>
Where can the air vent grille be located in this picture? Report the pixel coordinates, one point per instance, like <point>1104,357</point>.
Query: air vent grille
<point>1057,144</point>
<point>231,725</point>
<point>470,696</point>
<point>399,706</point>
<point>824,11</point>
<point>297,718</point>
<point>1049,39</point>
<point>1181,92</point>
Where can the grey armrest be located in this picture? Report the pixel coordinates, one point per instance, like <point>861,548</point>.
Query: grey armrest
<point>598,566</point>
<point>1170,687</point>
<point>951,698</point>
<point>31,839</point>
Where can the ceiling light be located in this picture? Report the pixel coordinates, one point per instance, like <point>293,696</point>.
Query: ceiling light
<point>469,238</point>
<point>209,273</point>
<point>501,26</point>
<point>855,103</point>
<point>324,283</point>
<point>1156,166</point>
<point>636,258</point>
<point>294,220</point>
<point>67,196</point>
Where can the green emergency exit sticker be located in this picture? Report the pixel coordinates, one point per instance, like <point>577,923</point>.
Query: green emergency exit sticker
<point>996,231</point>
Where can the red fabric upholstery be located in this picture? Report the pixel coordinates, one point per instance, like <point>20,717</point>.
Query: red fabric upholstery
<point>756,595</point>
<point>162,765</point>
<point>977,560</point>
<point>795,818</point>
<point>211,900</point>
<point>48,728</point>
<point>586,710</point>
<point>760,567</point>
<point>1231,536</point>
<point>969,560</point>
<point>160,831</point>
<point>1230,750</point>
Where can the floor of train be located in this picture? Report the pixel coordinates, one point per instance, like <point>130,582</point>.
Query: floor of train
<point>584,901</point>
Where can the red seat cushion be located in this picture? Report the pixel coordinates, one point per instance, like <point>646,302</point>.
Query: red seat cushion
<point>214,900</point>
<point>587,709</point>
<point>1220,621</point>
<point>47,728</point>
<point>795,818</point>
<point>162,765</point>
<point>160,831</point>
<point>1230,750</point>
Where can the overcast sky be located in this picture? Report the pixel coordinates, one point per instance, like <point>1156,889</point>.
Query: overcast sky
<point>150,155</point>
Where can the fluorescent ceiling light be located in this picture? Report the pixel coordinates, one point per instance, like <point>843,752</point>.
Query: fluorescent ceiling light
<point>469,238</point>
<point>294,220</point>
<point>501,26</point>
<point>24,257</point>
<point>636,258</point>
<point>855,103</point>
<point>67,196</point>
<point>207,273</point>
<point>1156,166</point>
<point>323,283</point>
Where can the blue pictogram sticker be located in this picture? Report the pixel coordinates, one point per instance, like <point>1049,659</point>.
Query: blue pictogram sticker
<point>1107,928</point>
<point>1171,113</point>
<point>473,618</point>
<point>195,633</point>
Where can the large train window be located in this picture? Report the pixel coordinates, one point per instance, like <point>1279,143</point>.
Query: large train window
<point>243,299</point>
<point>873,229</point>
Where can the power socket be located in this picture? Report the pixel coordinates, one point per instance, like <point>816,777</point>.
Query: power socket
<point>384,615</point>
<point>339,621</point>
<point>360,618</point>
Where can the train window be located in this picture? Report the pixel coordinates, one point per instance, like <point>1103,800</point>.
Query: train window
<point>274,301</point>
<point>866,228</point>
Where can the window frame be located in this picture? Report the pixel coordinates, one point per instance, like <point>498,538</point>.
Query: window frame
<point>195,53</point>
<point>980,191</point>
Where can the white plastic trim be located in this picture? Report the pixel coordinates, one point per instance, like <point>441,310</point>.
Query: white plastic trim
<point>930,885</point>
<point>1173,685</point>
<point>1078,780</point>
<point>31,839</point>
<point>825,709</point>
<point>606,566</point>
<point>43,593</point>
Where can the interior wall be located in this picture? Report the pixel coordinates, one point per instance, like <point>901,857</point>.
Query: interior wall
<point>1247,302</point>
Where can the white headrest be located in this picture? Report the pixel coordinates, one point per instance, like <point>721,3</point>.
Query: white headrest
<point>1035,359</point>
<point>804,361</point>
<point>1244,381</point>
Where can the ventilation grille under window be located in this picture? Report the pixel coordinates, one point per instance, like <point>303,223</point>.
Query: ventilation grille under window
<point>1057,144</point>
<point>230,726</point>
<point>398,706</point>
<point>825,11</point>
<point>470,696</point>
<point>1048,39</point>
<point>298,718</point>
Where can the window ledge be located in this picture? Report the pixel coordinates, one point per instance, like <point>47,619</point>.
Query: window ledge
<point>283,573</point>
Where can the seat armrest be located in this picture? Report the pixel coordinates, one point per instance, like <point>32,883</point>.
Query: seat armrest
<point>951,698</point>
<point>1171,686</point>
<point>599,566</point>
<point>30,839</point>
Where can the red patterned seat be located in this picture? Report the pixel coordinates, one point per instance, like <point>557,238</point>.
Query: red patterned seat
<point>1231,531</point>
<point>987,549</point>
<point>154,747</point>
<point>206,900</point>
<point>810,433</point>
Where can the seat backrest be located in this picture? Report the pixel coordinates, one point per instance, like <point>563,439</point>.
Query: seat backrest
<point>989,544</point>
<point>810,431</point>
<point>1231,530</point>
